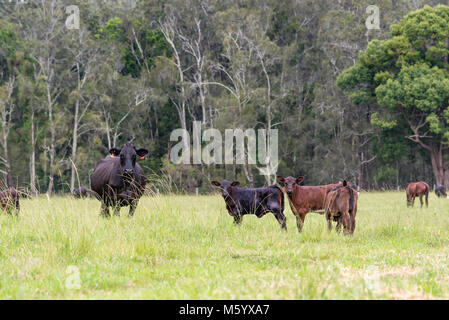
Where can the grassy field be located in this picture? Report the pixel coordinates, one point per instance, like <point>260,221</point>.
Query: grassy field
<point>186,247</point>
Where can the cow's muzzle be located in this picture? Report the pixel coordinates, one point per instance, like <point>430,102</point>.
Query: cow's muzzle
<point>129,172</point>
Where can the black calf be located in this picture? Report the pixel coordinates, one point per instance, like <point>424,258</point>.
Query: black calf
<point>440,191</point>
<point>258,201</point>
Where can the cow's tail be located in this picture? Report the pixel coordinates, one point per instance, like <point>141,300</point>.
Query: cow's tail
<point>427,195</point>
<point>351,201</point>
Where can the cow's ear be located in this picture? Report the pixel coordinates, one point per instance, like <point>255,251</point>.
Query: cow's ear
<point>114,152</point>
<point>235,184</point>
<point>142,153</point>
<point>299,180</point>
<point>280,179</point>
<point>215,183</point>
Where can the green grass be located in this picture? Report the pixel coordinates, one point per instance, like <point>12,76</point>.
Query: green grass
<point>186,247</point>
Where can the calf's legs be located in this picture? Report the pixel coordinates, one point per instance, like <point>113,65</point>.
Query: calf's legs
<point>117,210</point>
<point>329,222</point>
<point>104,210</point>
<point>132,207</point>
<point>238,217</point>
<point>281,219</point>
<point>300,217</point>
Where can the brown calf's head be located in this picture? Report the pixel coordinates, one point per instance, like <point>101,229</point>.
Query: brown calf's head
<point>290,183</point>
<point>226,187</point>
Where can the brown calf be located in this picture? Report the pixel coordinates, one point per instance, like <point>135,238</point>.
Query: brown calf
<point>415,189</point>
<point>304,199</point>
<point>9,201</point>
<point>341,206</point>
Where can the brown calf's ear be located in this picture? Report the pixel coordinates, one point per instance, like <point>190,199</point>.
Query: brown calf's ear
<point>215,183</point>
<point>235,184</point>
<point>299,179</point>
<point>114,152</point>
<point>142,153</point>
<point>280,179</point>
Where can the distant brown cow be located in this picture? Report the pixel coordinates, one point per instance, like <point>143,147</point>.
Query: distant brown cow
<point>341,206</point>
<point>304,199</point>
<point>9,201</point>
<point>415,189</point>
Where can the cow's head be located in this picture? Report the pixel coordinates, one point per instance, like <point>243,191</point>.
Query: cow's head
<point>128,155</point>
<point>290,183</point>
<point>226,187</point>
<point>409,199</point>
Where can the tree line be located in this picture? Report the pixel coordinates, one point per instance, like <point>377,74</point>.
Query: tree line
<point>137,70</point>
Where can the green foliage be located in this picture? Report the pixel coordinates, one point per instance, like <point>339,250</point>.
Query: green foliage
<point>408,75</point>
<point>261,64</point>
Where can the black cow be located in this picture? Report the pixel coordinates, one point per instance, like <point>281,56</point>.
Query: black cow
<point>440,191</point>
<point>9,201</point>
<point>258,201</point>
<point>118,180</point>
<point>80,192</point>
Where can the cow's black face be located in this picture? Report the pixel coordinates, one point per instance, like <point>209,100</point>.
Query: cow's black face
<point>226,187</point>
<point>128,155</point>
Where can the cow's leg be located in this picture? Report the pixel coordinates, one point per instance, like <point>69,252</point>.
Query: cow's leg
<point>132,207</point>
<point>329,222</point>
<point>280,218</point>
<point>104,210</point>
<point>17,208</point>
<point>117,210</point>
<point>9,209</point>
<point>352,223</point>
<point>339,223</point>
<point>300,217</point>
<point>347,224</point>
<point>420,200</point>
<point>237,218</point>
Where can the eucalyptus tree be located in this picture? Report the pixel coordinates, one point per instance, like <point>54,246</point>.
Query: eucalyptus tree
<point>408,76</point>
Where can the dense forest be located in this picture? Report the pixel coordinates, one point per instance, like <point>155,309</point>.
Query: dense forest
<point>137,70</point>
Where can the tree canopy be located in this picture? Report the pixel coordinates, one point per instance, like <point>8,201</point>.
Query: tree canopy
<point>408,75</point>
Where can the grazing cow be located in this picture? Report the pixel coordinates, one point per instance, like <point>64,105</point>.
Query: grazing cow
<point>440,191</point>
<point>341,206</point>
<point>80,192</point>
<point>258,201</point>
<point>415,189</point>
<point>9,201</point>
<point>118,180</point>
<point>304,199</point>
<point>23,193</point>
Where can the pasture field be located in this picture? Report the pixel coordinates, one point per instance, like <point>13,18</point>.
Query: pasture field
<point>186,247</point>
